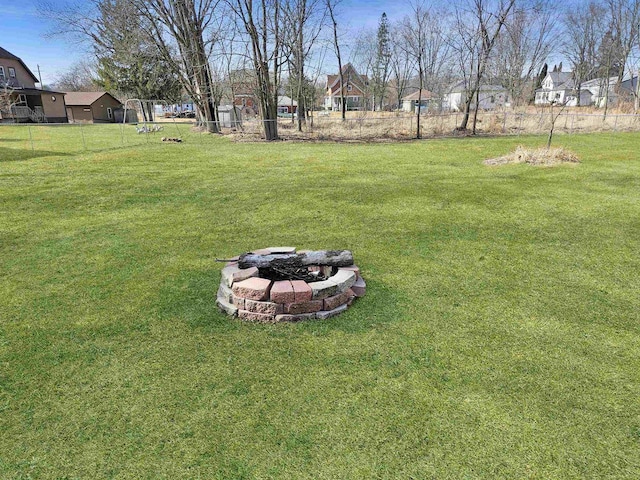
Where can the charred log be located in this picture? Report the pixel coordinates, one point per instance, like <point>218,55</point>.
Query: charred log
<point>296,261</point>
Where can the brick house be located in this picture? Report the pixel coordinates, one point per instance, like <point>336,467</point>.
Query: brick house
<point>356,90</point>
<point>21,100</point>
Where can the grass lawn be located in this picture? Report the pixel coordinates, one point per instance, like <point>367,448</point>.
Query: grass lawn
<point>499,338</point>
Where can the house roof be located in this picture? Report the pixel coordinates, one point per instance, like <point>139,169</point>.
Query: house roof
<point>8,55</point>
<point>425,95</point>
<point>357,80</point>
<point>78,99</point>
<point>36,91</point>
<point>562,80</point>
<point>284,101</point>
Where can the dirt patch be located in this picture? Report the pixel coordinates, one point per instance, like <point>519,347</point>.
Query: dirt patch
<point>538,156</point>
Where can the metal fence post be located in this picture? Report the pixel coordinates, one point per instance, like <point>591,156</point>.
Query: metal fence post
<point>31,138</point>
<point>84,143</point>
<point>573,117</point>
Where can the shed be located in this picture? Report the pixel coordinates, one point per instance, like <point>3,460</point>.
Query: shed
<point>91,107</point>
<point>287,105</point>
<point>410,102</point>
<point>230,116</point>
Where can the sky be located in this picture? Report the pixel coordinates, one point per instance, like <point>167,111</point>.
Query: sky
<point>24,32</point>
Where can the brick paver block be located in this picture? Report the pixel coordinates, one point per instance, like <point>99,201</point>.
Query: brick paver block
<point>253,288</point>
<point>334,302</point>
<point>282,292</point>
<point>263,307</point>
<point>359,288</point>
<point>256,317</point>
<point>232,274</point>
<point>303,307</point>
<point>225,293</point>
<point>352,297</point>
<point>353,268</point>
<point>237,302</point>
<point>324,289</point>
<point>295,318</point>
<point>302,291</point>
<point>226,307</point>
<point>323,315</point>
<point>344,279</point>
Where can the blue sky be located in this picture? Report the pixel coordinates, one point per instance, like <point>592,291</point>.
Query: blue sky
<point>23,32</point>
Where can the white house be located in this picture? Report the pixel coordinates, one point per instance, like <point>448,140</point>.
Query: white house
<point>603,90</point>
<point>489,97</point>
<point>559,87</point>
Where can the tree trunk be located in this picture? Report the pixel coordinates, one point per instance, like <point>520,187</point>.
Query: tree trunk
<point>467,111</point>
<point>334,258</point>
<point>421,84</point>
<point>475,112</point>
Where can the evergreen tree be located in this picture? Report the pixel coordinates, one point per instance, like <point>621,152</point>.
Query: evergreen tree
<point>609,62</point>
<point>381,67</point>
<point>128,61</point>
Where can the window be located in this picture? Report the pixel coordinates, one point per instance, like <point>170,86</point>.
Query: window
<point>2,72</point>
<point>12,72</point>
<point>22,98</point>
<point>349,88</point>
<point>493,99</point>
<point>557,95</point>
<point>109,113</point>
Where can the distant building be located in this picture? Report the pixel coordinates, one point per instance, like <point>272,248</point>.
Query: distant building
<point>426,99</point>
<point>607,90</point>
<point>23,102</point>
<point>286,105</point>
<point>355,90</point>
<point>560,88</point>
<point>490,97</point>
<point>92,107</point>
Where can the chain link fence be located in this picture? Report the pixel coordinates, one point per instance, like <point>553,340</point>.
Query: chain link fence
<point>76,138</point>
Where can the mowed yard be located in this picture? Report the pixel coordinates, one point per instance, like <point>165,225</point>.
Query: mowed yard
<point>499,338</point>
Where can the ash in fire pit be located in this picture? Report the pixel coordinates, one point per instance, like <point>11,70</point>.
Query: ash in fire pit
<point>278,284</point>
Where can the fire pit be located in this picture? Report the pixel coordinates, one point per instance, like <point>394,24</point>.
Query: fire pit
<point>278,284</point>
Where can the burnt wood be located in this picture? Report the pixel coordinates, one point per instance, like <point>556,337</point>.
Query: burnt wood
<point>292,261</point>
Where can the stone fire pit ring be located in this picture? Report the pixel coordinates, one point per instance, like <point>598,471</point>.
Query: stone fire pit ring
<point>246,293</point>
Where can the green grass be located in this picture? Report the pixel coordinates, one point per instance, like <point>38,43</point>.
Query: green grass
<point>499,338</point>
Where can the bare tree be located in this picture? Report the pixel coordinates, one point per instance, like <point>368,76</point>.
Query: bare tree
<point>402,65</point>
<point>303,20</point>
<point>79,77</point>
<point>331,8</point>
<point>625,25</point>
<point>179,29</point>
<point>6,99</point>
<point>186,23</point>
<point>363,58</point>
<point>423,40</point>
<point>582,31</point>
<point>260,22</point>
<point>478,26</point>
<point>521,49</point>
